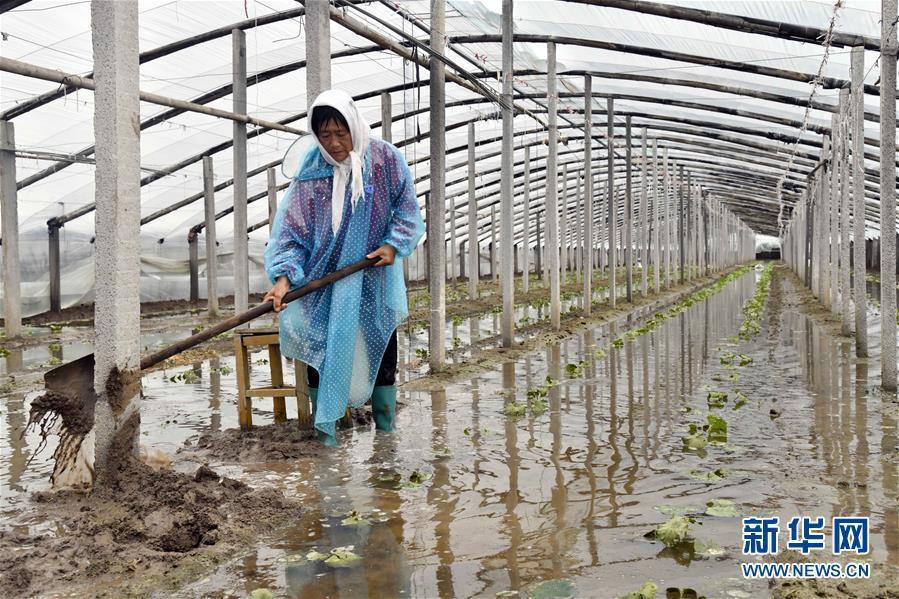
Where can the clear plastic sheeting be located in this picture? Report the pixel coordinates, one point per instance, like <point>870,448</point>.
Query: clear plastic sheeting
<point>701,114</point>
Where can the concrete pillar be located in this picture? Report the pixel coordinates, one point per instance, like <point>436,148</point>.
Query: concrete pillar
<point>452,253</point>
<point>507,196</point>
<point>462,258</point>
<point>683,206</point>
<point>577,243</point>
<point>628,213</point>
<point>474,251</point>
<point>526,221</point>
<point>241,258</point>
<point>831,202</point>
<point>612,202</point>
<point>436,205</point>
<point>212,294</point>
<point>588,194</point>
<point>809,237</point>
<point>859,293</point>
<point>888,193</point>
<point>386,117</point>
<point>563,225</point>
<point>9,214</point>
<point>657,218</point>
<point>644,233</point>
<point>666,207</point>
<point>845,271</point>
<point>493,267</point>
<point>317,23</point>
<point>117,224</point>
<point>538,256</point>
<point>552,180</point>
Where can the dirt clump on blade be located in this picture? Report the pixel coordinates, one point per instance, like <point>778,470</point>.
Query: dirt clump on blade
<point>75,417</point>
<point>140,531</point>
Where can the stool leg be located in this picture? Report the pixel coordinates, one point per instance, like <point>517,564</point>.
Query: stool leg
<point>304,409</point>
<point>244,402</point>
<point>274,361</point>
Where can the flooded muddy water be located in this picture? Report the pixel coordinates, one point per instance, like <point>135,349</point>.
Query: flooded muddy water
<point>465,500</point>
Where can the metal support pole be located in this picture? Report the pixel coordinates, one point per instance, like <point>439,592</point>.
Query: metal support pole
<point>386,117</point>
<point>55,270</point>
<point>317,23</point>
<point>474,248</point>
<point>436,206</point>
<point>888,193</point>
<point>526,222</point>
<point>117,225</point>
<point>859,293</point>
<point>212,296</point>
<point>272,183</point>
<point>9,214</point>
<point>241,257</point>
<point>588,195</point>
<point>628,212</point>
<point>613,203</point>
<point>193,253</point>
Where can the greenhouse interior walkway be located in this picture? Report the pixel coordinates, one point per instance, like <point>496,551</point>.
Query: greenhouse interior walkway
<point>647,304</point>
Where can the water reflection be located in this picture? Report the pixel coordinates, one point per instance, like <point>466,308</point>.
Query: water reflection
<point>568,494</point>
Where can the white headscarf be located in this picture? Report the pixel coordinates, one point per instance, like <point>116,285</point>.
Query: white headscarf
<point>351,167</point>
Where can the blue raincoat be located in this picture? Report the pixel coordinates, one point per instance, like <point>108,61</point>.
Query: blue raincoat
<point>342,330</point>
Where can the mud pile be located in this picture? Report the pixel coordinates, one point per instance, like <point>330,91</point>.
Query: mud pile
<point>144,529</point>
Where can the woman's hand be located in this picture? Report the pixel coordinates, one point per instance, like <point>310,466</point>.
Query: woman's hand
<point>277,293</point>
<point>386,253</point>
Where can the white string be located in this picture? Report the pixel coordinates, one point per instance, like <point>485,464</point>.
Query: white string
<point>816,82</point>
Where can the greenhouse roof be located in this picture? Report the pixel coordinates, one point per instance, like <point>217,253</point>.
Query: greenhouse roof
<point>739,94</point>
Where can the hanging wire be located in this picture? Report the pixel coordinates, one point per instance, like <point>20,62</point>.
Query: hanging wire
<point>816,82</point>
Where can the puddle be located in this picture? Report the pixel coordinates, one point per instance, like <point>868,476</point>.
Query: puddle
<point>564,494</point>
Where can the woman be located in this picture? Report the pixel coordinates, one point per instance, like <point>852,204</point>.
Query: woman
<point>352,197</point>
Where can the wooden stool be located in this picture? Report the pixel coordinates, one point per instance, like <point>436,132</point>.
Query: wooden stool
<point>246,339</point>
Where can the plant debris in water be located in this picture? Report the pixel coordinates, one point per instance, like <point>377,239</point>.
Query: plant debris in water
<point>647,591</point>
<point>514,409</point>
<point>722,508</point>
<point>354,518</point>
<point>553,589</point>
<point>187,377</point>
<point>752,311</point>
<point>673,532</point>
<point>710,476</point>
<point>686,593</point>
<point>717,399</point>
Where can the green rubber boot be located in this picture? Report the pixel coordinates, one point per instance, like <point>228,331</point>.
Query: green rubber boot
<point>323,438</point>
<point>383,407</point>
